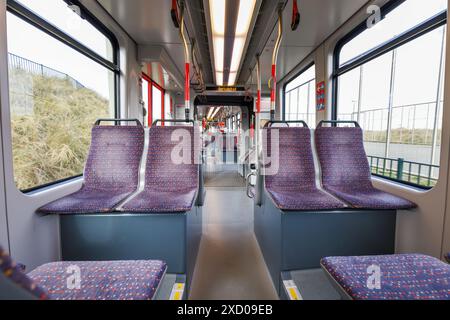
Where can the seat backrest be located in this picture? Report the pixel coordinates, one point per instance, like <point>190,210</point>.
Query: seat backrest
<point>172,160</point>
<point>296,169</point>
<point>114,158</point>
<point>14,284</point>
<point>342,157</point>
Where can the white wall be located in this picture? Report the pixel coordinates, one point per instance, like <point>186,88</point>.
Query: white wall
<point>34,239</point>
<point>420,230</point>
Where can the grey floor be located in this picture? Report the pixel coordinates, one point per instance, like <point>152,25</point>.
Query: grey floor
<point>224,176</point>
<point>230,264</point>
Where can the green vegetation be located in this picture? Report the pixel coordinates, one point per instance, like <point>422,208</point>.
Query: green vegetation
<point>404,136</point>
<point>51,127</point>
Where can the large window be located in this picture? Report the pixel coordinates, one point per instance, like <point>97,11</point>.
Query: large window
<point>390,78</point>
<point>300,97</point>
<point>62,77</point>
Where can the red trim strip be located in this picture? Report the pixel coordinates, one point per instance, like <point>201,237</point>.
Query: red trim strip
<point>274,83</point>
<point>258,102</point>
<point>187,93</point>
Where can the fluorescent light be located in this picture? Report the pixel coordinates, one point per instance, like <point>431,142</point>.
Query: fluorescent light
<point>219,78</point>
<point>217,9</point>
<point>215,113</point>
<point>210,113</point>
<point>246,8</point>
<point>219,48</point>
<point>238,49</point>
<point>232,78</point>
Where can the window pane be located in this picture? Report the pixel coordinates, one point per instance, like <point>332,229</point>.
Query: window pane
<point>301,101</point>
<point>156,103</point>
<point>56,94</point>
<point>307,76</point>
<point>403,18</point>
<point>58,13</point>
<point>403,123</point>
<point>145,86</point>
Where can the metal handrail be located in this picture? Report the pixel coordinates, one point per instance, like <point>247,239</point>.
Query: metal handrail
<point>273,85</point>
<point>250,194</point>
<point>398,173</point>
<point>338,122</point>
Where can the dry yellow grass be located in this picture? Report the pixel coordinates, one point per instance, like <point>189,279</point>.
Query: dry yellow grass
<point>50,141</point>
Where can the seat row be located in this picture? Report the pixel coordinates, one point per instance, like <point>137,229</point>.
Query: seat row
<point>101,280</point>
<point>112,179</point>
<point>400,277</point>
<point>345,176</point>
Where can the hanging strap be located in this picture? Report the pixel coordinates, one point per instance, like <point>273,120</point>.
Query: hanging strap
<point>295,16</point>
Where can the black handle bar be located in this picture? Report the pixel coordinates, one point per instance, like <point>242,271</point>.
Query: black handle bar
<point>269,124</point>
<point>97,123</point>
<point>338,122</point>
<point>174,121</point>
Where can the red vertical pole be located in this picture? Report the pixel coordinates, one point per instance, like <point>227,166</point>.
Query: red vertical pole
<point>163,100</point>
<point>187,90</point>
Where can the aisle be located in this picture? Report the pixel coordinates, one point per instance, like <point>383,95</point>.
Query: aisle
<point>230,264</point>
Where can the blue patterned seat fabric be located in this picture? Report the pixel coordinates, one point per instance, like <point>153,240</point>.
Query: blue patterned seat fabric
<point>114,280</point>
<point>13,272</point>
<point>403,277</point>
<point>293,186</point>
<point>111,174</point>
<point>171,178</point>
<point>346,171</point>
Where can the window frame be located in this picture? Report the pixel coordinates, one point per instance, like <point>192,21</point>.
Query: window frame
<point>43,25</point>
<point>417,31</point>
<point>296,75</point>
<point>152,84</point>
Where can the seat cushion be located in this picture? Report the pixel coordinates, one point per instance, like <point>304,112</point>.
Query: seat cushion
<point>111,173</point>
<point>290,176</point>
<point>304,200</point>
<point>114,280</point>
<point>371,198</point>
<point>172,172</point>
<point>86,201</point>
<point>346,170</point>
<point>150,201</point>
<point>403,277</point>
<point>14,273</point>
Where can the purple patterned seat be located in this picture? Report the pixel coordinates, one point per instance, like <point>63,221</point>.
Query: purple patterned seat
<point>171,178</point>
<point>346,171</point>
<point>403,277</point>
<point>116,280</point>
<point>293,187</point>
<point>14,273</point>
<point>111,173</point>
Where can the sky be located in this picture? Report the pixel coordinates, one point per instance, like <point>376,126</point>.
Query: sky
<point>416,69</point>
<point>28,42</point>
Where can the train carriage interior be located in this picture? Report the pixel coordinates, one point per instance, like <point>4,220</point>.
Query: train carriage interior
<point>224,150</point>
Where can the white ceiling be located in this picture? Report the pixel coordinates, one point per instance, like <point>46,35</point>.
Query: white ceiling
<point>149,23</point>
<point>319,20</point>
